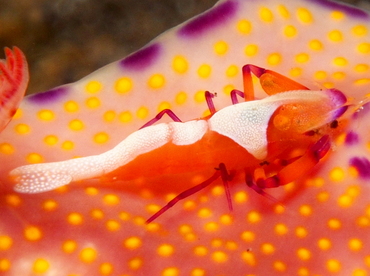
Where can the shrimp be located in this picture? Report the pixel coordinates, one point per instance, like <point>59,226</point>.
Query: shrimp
<point>259,138</point>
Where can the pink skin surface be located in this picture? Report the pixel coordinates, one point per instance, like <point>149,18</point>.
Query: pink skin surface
<point>97,227</point>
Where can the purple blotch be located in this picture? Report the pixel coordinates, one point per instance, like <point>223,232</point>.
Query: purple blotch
<point>349,10</point>
<point>362,111</point>
<point>216,16</point>
<point>142,58</point>
<point>362,165</point>
<point>351,138</point>
<point>49,96</point>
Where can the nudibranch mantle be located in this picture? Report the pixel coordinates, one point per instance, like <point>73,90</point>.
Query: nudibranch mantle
<point>98,230</point>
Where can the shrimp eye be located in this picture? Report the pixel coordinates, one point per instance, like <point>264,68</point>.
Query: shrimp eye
<point>282,122</point>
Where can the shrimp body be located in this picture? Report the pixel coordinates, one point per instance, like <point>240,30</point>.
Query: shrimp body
<point>246,124</point>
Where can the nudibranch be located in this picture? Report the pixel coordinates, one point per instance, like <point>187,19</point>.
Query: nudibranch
<point>97,226</point>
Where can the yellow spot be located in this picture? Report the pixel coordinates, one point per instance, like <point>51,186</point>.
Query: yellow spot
<point>221,48</point>
<point>40,266</point>
<point>18,114</point>
<point>324,244</point>
<point>274,59</point>
<point>232,71</point>
<point>5,265</point>
<point>135,263</point>
<point>304,15</point>
<point>251,50</point>
<point>279,266</point>
<point>156,81</point>
<point>75,218</point>
<point>226,219</point>
<point>315,45</point>
<point>216,243</point>
<point>281,229</point>
<point>123,85</point>
<point>204,213</point>
<point>106,269</point>
<point>355,244</point>
<point>305,210</point>
<point>283,11</point>
<point>244,26</point>
<point>267,248</point>
<point>335,36</point>
<point>170,271</point>
<point>199,97</point>
<point>181,98</point>
<point>46,115</point>
<point>97,213</point>
<point>6,148</point>
<point>32,233</point>
<point>241,197</point>
<point>337,15</point>
<point>200,251</point>
<point>340,61</point>
<point>248,236</point>
<point>198,272</point>
<point>49,205</point>
<point>231,245</point>
<point>204,71</point>
<point>303,254</point>
<point>337,174</point>
<point>359,30</point>
<point>13,200</point>
<point>301,232</point>
<point>253,217</point>
<point>295,72</point>
<point>364,48</point>
<point>302,58</point>
<point>185,229</point>
<point>249,258</point>
<point>290,31</point>
<point>363,221</point>
<point>88,255</point>
<point>211,226</point>
<point>112,225</point>
<point>5,242</point>
<point>93,102</point>
<point>334,224</point>
<point>219,257</point>
<point>339,75</point>
<point>68,145</point>
<point>125,117</point>
<point>22,129</point>
<point>163,106</point>
<point>111,199</point>
<point>132,243</point>
<point>359,272</point>
<point>218,190</point>
<point>93,87</point>
<point>51,140</point>
<point>333,265</point>
<point>76,124</point>
<point>320,75</point>
<point>266,15</point>
<point>69,246</point>
<point>109,116</point>
<point>101,138</point>
<point>71,106</point>
<point>165,250</point>
<point>34,158</point>
<point>142,112</point>
<point>345,201</point>
<point>180,64</point>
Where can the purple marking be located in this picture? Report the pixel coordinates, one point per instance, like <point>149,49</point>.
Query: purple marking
<point>142,58</point>
<point>337,96</point>
<point>49,96</point>
<point>362,165</point>
<point>352,138</point>
<point>349,10</point>
<point>214,17</point>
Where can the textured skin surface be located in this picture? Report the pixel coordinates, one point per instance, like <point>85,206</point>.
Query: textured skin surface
<point>97,227</point>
